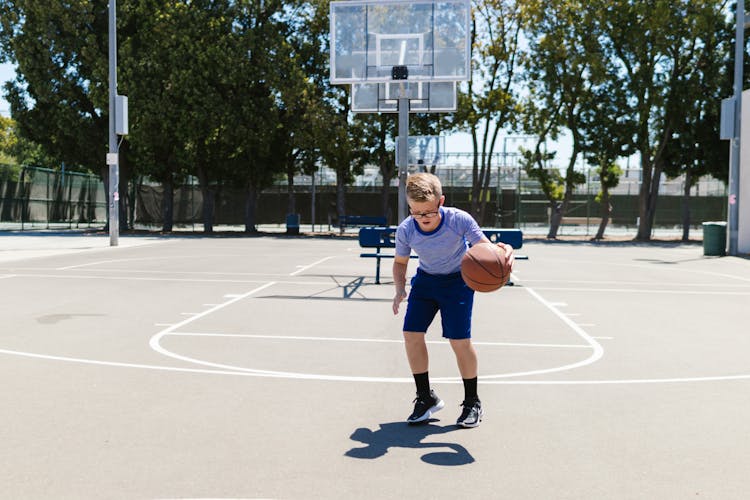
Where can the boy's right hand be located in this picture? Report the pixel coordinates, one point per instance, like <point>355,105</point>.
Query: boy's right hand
<point>400,296</point>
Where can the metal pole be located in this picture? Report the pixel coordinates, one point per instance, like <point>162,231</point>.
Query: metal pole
<point>112,157</point>
<point>403,154</point>
<point>734,152</point>
<point>312,202</point>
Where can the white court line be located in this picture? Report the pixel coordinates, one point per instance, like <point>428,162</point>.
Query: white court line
<point>597,353</point>
<point>134,278</point>
<point>628,283</point>
<point>8,276</point>
<point>410,380</point>
<point>597,350</point>
<point>305,268</point>
<point>152,242</point>
<point>99,262</point>
<point>349,339</point>
<point>156,271</point>
<point>640,290</point>
<point>181,280</point>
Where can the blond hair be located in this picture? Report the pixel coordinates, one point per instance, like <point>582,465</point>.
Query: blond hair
<point>423,187</point>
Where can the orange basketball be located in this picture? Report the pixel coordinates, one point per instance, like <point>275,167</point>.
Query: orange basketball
<point>484,267</point>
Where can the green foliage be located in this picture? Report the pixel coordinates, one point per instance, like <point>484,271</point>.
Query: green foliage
<point>609,177</point>
<point>237,92</point>
<point>16,150</point>
<point>693,101</point>
<point>535,164</point>
<point>8,140</point>
<point>60,91</point>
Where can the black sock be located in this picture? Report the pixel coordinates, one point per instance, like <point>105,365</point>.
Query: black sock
<point>423,383</point>
<point>470,389</point>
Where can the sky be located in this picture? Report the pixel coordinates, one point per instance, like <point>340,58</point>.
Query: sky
<point>6,73</point>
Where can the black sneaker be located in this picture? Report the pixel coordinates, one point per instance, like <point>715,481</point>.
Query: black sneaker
<point>471,414</point>
<point>424,407</point>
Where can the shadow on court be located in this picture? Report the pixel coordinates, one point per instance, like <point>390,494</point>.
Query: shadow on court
<point>402,435</point>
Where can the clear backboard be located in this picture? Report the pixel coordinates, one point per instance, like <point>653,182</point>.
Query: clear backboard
<point>425,150</point>
<point>387,40</point>
<point>424,97</point>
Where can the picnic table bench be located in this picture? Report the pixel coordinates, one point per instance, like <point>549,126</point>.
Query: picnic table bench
<point>385,237</point>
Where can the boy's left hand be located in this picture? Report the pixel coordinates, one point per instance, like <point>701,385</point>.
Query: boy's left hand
<point>509,256</point>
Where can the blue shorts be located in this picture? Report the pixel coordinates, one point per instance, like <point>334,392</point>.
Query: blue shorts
<point>448,294</point>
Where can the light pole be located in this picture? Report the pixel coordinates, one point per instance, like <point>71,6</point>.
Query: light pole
<point>734,151</point>
<point>118,125</point>
<point>112,157</point>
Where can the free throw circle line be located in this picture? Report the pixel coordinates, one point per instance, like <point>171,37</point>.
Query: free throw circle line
<point>118,364</point>
<point>155,344</point>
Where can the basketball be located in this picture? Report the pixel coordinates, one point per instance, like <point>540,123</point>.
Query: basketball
<point>484,267</point>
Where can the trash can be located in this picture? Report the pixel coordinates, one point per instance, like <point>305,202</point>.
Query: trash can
<point>714,238</point>
<point>292,224</point>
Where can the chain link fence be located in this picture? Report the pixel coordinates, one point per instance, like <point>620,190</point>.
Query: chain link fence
<point>35,198</point>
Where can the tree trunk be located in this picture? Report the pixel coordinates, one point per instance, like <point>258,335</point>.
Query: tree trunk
<point>556,208</point>
<point>251,203</point>
<point>560,209</point>
<point>167,206</point>
<point>606,213</point>
<point>207,210</point>
<point>340,199</point>
<point>125,176</point>
<point>385,191</point>
<point>648,205</point>
<point>209,200</point>
<point>686,206</point>
<point>291,207</point>
<point>486,174</point>
<point>475,189</point>
<point>104,172</point>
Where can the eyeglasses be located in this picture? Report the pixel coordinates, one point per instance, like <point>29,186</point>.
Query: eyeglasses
<point>425,215</point>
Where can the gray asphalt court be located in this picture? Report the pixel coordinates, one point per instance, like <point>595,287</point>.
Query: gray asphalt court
<point>273,367</point>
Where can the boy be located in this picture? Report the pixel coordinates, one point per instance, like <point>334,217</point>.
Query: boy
<point>439,236</point>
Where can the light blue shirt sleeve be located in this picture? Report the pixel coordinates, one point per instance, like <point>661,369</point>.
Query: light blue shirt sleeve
<point>440,251</point>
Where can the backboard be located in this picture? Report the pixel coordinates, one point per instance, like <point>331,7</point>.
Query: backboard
<point>424,97</point>
<point>375,41</point>
<point>425,150</point>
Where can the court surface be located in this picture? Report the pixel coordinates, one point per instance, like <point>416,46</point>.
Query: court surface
<point>272,367</point>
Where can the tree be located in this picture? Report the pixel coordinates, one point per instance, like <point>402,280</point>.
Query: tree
<point>166,67</point>
<point>490,102</point>
<point>694,148</point>
<point>378,129</point>
<point>343,149</point>
<point>564,67</point>
<point>645,40</point>
<point>303,112</point>
<point>59,99</point>
<point>7,140</point>
<point>17,150</point>
<point>608,136</point>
